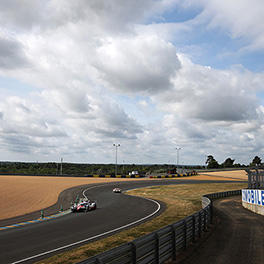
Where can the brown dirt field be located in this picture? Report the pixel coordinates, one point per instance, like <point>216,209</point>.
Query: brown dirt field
<point>237,174</point>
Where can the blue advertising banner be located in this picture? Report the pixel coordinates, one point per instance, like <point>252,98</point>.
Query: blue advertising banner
<point>253,196</point>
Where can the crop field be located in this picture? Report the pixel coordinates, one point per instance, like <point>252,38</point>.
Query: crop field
<point>25,194</point>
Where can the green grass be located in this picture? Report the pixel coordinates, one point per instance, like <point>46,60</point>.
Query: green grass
<point>181,201</point>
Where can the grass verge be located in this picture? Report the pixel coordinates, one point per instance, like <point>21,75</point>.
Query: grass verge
<point>181,200</point>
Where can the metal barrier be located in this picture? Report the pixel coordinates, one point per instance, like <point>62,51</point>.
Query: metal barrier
<point>255,177</point>
<point>166,243</point>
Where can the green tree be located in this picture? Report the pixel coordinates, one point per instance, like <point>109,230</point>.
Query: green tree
<point>228,163</point>
<point>256,161</point>
<point>211,162</point>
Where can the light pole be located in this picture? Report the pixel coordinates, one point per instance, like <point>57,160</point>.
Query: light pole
<point>178,156</point>
<point>123,166</point>
<point>116,146</point>
<point>61,166</point>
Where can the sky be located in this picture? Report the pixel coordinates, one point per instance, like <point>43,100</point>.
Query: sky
<point>78,76</point>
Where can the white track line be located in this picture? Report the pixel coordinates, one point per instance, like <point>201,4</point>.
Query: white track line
<point>89,189</point>
<point>90,238</point>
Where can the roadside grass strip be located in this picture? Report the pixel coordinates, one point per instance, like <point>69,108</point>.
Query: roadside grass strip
<point>46,218</point>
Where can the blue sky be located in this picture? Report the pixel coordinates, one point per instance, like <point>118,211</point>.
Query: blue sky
<point>151,75</point>
<point>15,87</point>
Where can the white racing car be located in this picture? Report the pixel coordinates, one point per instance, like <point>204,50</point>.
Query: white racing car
<point>83,206</point>
<point>117,190</point>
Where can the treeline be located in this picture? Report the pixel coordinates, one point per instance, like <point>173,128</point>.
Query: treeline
<point>212,163</point>
<point>53,168</point>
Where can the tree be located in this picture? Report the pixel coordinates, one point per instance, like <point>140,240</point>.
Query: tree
<point>256,161</point>
<point>210,158</point>
<point>211,162</point>
<point>228,163</point>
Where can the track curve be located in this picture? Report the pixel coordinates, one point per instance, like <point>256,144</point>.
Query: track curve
<point>19,245</point>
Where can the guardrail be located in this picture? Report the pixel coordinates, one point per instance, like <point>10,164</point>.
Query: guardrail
<point>166,243</point>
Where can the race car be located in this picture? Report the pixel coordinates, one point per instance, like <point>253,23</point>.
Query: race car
<point>83,206</point>
<point>117,190</point>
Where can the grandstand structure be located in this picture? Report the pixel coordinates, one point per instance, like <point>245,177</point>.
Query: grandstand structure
<point>255,177</point>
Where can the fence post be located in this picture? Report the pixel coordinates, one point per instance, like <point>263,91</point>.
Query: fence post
<point>173,243</point>
<point>193,228</point>
<point>99,261</point>
<point>211,212</point>
<point>134,252</point>
<point>185,235</point>
<point>204,220</point>
<point>199,224</point>
<point>157,247</point>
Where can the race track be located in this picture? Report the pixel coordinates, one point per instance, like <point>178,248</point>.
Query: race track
<point>33,242</point>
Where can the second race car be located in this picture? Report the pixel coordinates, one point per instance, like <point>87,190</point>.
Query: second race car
<point>117,190</point>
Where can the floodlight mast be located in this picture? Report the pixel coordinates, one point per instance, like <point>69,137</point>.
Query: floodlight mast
<point>178,156</point>
<point>61,166</point>
<point>116,146</point>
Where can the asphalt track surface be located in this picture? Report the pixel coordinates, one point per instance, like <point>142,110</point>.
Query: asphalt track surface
<point>20,245</point>
<point>237,237</point>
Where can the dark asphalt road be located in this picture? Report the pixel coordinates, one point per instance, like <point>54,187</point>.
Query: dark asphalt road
<point>114,210</point>
<point>237,238</point>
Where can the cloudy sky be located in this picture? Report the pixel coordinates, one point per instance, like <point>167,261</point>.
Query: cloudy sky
<point>151,75</point>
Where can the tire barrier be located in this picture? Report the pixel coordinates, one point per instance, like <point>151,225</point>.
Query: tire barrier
<point>176,175</point>
<point>166,243</point>
<point>114,176</point>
